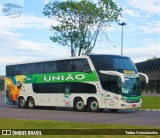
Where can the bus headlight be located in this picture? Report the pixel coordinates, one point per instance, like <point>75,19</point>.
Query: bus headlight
<point>125,100</point>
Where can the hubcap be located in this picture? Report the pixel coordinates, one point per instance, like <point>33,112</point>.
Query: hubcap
<point>80,105</point>
<point>22,102</point>
<point>94,105</point>
<point>30,103</point>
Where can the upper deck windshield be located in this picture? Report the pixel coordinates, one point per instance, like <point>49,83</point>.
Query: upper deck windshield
<point>123,63</point>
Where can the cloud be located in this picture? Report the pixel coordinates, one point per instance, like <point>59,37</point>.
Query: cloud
<point>26,21</point>
<point>14,49</point>
<point>150,6</point>
<point>152,28</point>
<point>137,54</point>
<point>45,1</point>
<point>131,12</point>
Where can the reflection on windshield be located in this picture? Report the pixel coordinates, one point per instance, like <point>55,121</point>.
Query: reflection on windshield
<point>131,87</point>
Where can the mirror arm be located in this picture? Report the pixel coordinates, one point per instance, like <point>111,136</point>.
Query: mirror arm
<point>144,75</point>
<point>114,73</point>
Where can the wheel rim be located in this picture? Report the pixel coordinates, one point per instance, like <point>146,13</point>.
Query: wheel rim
<point>94,105</point>
<point>80,105</point>
<point>30,103</point>
<point>22,102</point>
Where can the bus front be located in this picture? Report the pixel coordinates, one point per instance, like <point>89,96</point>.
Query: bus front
<point>130,87</point>
<point>121,81</point>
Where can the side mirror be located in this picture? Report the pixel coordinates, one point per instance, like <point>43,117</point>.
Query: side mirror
<point>144,75</point>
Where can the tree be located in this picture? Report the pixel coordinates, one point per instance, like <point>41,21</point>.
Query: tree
<point>80,22</point>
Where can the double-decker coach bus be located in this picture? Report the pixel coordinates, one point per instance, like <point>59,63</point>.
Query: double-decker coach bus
<point>86,82</point>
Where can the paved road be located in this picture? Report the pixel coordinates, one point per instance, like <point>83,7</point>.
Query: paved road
<point>144,118</point>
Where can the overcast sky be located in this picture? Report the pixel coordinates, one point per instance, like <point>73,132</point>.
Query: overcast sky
<point>25,36</point>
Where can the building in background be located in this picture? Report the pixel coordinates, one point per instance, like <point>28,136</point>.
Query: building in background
<point>151,67</point>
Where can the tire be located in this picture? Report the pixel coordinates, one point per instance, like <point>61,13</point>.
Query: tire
<point>79,105</point>
<point>93,105</point>
<point>31,103</point>
<point>21,103</point>
<point>113,110</point>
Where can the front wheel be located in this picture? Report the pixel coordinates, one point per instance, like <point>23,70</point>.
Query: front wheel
<point>21,103</point>
<point>31,103</point>
<point>93,105</point>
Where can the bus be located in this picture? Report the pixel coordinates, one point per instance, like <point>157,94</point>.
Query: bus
<point>93,82</point>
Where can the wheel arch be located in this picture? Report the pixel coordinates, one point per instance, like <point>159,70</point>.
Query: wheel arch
<point>90,98</point>
<point>31,98</point>
<point>20,98</point>
<point>79,97</point>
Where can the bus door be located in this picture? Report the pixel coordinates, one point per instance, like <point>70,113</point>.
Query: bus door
<point>112,85</point>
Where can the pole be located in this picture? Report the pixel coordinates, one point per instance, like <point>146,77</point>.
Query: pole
<point>122,24</point>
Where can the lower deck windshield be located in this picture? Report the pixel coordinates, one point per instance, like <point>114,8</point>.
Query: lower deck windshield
<point>131,87</point>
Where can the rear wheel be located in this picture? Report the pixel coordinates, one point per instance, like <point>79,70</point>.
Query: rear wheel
<point>31,103</point>
<point>21,103</point>
<point>79,105</point>
<point>93,105</point>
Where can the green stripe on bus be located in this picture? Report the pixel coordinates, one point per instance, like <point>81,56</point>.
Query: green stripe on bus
<point>62,77</point>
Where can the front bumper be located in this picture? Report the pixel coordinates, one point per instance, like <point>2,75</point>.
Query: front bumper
<point>125,105</point>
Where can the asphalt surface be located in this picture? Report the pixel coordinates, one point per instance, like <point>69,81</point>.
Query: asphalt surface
<point>142,118</point>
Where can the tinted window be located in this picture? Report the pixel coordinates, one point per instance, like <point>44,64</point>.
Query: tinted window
<point>15,70</point>
<point>110,83</point>
<point>25,69</point>
<point>47,87</point>
<point>65,66</point>
<point>56,87</point>
<point>68,88</point>
<point>50,67</point>
<point>77,87</point>
<point>102,63</point>
<point>9,70</point>
<point>37,68</point>
<point>81,65</point>
<point>123,63</point>
<point>41,88</point>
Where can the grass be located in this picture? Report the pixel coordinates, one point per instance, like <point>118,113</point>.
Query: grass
<point>39,124</point>
<point>151,102</point>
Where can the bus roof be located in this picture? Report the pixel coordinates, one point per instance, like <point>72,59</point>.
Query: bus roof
<point>83,56</point>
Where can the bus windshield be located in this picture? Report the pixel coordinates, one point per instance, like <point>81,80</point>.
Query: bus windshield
<point>123,64</point>
<point>131,87</point>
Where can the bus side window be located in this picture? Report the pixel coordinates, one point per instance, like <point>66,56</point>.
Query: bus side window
<point>9,70</point>
<point>81,65</point>
<point>78,87</point>
<point>37,68</point>
<point>50,67</point>
<point>65,66</point>
<point>110,83</point>
<point>16,70</point>
<point>67,88</point>
<point>25,69</point>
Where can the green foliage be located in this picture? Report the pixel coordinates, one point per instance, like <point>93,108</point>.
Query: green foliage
<point>80,22</point>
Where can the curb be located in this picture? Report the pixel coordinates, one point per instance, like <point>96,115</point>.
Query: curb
<point>143,109</point>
